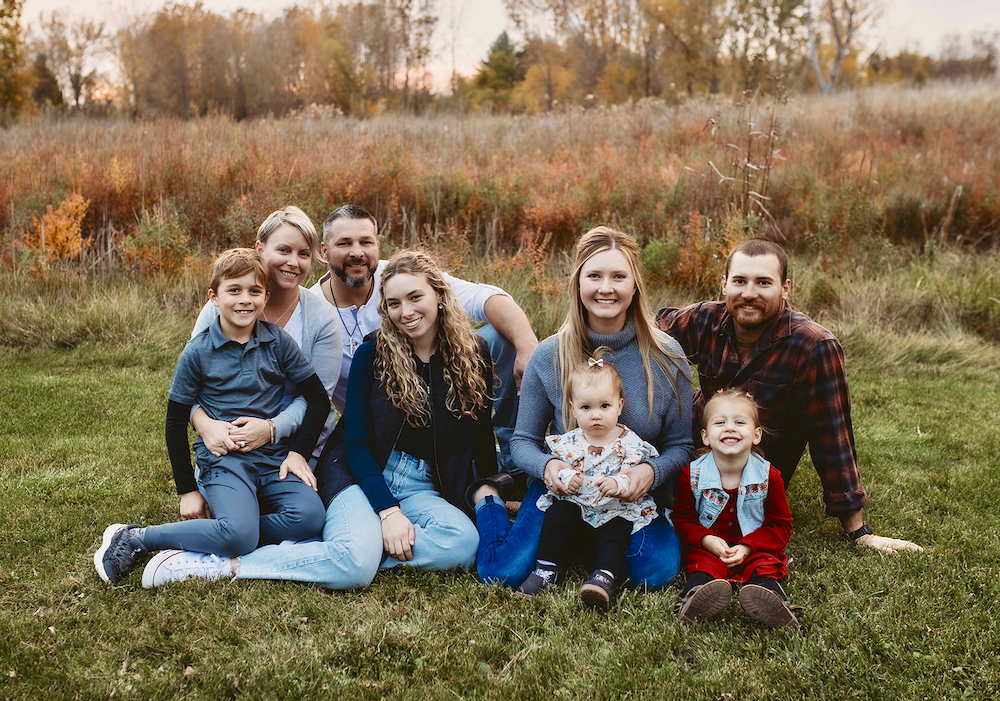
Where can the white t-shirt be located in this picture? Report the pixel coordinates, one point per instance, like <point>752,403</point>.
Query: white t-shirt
<point>357,323</point>
<point>293,327</point>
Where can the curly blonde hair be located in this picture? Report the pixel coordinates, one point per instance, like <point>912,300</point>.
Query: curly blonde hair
<point>395,365</point>
<point>574,341</point>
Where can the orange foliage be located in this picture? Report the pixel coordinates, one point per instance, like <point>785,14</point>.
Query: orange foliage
<point>57,234</point>
<point>843,170</point>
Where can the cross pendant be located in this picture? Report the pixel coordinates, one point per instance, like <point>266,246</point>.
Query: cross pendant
<point>351,345</point>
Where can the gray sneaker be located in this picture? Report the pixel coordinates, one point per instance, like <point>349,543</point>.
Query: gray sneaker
<point>768,607</point>
<point>539,579</point>
<point>177,565</point>
<point>119,553</point>
<point>704,602</point>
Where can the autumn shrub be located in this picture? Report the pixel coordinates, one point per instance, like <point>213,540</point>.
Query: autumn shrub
<point>661,257</point>
<point>832,175</point>
<point>56,235</point>
<point>161,246</point>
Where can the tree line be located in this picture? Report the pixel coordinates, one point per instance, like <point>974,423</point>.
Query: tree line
<point>365,57</point>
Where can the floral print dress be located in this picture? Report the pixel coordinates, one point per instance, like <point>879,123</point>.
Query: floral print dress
<point>593,462</point>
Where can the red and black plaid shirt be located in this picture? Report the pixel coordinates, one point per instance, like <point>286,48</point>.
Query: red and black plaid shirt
<point>796,375</point>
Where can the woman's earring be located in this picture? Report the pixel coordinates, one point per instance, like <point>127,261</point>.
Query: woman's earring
<point>440,306</point>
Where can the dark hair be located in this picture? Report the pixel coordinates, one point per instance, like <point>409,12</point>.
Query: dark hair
<point>760,247</point>
<point>348,211</point>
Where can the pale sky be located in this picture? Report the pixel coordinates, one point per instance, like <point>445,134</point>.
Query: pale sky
<point>466,28</point>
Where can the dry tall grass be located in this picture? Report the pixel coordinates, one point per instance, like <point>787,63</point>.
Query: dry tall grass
<point>829,174</point>
<point>889,196</point>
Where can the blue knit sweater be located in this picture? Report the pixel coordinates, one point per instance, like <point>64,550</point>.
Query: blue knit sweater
<point>669,428</point>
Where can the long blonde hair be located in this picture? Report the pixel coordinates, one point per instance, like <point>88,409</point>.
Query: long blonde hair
<point>395,365</point>
<point>574,341</point>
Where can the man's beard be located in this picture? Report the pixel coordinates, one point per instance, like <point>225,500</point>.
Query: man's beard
<point>766,315</point>
<point>355,281</point>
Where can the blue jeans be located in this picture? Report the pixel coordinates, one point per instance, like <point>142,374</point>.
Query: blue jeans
<point>347,558</point>
<point>505,397</point>
<point>507,551</point>
<point>249,504</point>
<point>445,538</point>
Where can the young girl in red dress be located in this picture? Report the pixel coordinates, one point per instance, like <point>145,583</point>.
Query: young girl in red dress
<point>733,521</point>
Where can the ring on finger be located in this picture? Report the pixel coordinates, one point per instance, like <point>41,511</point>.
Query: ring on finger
<point>242,444</point>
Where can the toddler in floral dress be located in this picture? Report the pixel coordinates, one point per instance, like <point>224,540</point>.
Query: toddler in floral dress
<point>595,453</point>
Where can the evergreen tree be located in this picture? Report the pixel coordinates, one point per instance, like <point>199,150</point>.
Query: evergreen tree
<point>497,75</point>
<point>46,90</point>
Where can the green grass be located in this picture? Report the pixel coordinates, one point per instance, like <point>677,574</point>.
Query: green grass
<point>84,368</point>
<point>82,447</point>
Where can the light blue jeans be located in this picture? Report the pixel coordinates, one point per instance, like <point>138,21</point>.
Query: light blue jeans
<point>445,538</point>
<point>507,551</point>
<point>347,558</point>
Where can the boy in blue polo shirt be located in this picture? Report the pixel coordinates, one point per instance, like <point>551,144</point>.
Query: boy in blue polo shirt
<point>236,367</point>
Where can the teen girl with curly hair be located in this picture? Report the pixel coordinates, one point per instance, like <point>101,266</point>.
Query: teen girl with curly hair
<point>417,415</point>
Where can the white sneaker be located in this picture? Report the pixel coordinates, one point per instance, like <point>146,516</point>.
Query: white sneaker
<point>176,565</point>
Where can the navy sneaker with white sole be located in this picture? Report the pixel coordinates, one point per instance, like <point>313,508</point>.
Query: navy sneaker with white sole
<point>119,553</point>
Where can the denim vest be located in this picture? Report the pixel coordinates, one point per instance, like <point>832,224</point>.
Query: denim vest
<point>710,498</point>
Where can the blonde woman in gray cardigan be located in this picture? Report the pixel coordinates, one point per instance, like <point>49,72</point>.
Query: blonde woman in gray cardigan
<point>348,555</point>
<point>287,242</point>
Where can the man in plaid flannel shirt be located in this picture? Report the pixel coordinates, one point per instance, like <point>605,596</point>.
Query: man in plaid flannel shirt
<point>791,366</point>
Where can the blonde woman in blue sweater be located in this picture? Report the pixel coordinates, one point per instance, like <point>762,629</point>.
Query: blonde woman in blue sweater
<point>609,309</point>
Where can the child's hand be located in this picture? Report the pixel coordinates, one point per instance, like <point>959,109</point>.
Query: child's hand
<point>574,483</point>
<point>552,481</point>
<point>715,545</point>
<point>398,535</point>
<point>249,433</point>
<point>297,465</point>
<point>193,505</point>
<point>640,478</point>
<point>737,554</point>
<point>214,433</point>
<point>613,485</point>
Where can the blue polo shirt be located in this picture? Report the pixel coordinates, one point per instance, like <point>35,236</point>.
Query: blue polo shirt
<point>230,379</point>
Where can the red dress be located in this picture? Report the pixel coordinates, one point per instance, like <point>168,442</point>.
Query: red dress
<point>767,543</point>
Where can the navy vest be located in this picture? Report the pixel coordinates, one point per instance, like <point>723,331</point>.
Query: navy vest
<point>452,469</point>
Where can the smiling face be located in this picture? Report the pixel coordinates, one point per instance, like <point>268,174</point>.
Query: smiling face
<point>607,286</point>
<point>287,255</point>
<point>240,300</point>
<point>596,405</point>
<point>754,291</point>
<point>351,249</point>
<point>730,429</point>
<point>412,305</point>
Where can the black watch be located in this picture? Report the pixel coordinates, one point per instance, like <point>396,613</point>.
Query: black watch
<point>863,531</point>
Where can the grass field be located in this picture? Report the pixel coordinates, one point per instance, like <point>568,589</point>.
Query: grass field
<point>82,446</point>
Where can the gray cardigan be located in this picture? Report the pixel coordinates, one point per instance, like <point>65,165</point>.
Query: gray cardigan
<point>323,347</point>
<point>668,429</point>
